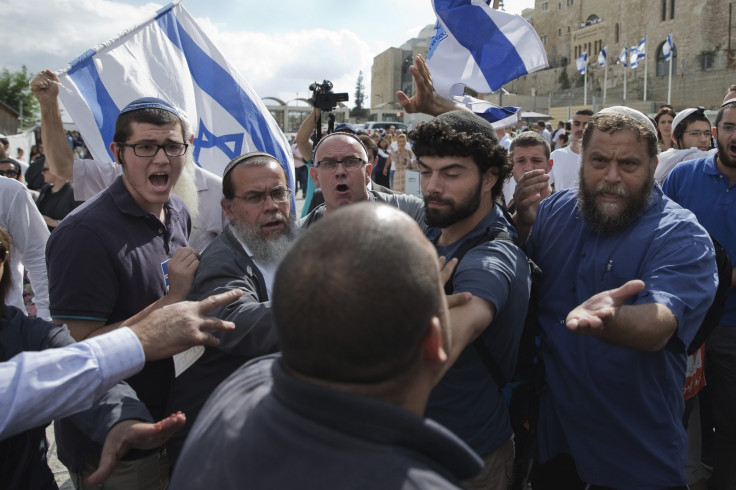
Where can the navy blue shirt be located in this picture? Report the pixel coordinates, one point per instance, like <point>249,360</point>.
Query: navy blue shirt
<point>467,400</point>
<point>104,264</point>
<point>265,428</point>
<point>618,411</point>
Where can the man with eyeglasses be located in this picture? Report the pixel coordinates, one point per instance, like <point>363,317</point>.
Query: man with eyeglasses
<point>123,251</point>
<point>256,200</point>
<point>707,187</point>
<point>198,188</point>
<point>342,171</point>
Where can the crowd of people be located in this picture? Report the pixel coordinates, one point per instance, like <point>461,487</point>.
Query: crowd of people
<point>372,342</point>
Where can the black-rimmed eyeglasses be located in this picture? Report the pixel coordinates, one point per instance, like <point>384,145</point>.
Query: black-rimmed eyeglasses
<point>151,149</point>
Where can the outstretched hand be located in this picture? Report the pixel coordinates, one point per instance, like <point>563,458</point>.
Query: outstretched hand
<point>133,434</point>
<point>175,328</point>
<point>591,316</point>
<point>425,100</point>
<point>446,269</point>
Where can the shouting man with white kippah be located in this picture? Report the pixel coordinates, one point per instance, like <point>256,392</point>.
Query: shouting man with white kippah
<point>628,278</point>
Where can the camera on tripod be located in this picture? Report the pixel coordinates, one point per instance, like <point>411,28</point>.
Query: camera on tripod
<point>324,98</point>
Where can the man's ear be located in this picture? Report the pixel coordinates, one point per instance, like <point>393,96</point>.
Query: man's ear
<point>226,208</point>
<point>433,348</point>
<point>313,172</point>
<point>368,170</point>
<point>489,178</point>
<point>116,149</point>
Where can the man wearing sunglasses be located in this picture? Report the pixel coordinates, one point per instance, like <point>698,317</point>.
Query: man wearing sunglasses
<point>706,187</point>
<point>124,251</point>
<point>257,202</point>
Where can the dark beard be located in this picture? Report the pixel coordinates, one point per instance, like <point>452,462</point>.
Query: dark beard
<point>457,212</point>
<point>605,224</point>
<point>723,157</point>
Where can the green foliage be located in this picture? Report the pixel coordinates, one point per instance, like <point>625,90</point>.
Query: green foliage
<point>14,89</point>
<point>563,80</point>
<point>359,92</point>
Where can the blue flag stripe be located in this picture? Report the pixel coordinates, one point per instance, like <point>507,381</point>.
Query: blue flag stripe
<point>225,90</point>
<point>103,108</point>
<point>485,41</point>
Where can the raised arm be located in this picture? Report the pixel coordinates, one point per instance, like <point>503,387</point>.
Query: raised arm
<point>426,100</point>
<point>304,135</point>
<point>58,154</point>
<point>530,190</point>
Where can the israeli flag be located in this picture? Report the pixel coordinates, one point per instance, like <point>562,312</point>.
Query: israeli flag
<point>667,48</point>
<point>634,58</point>
<point>641,49</point>
<point>623,57</point>
<point>499,117</point>
<point>479,47</point>
<point>602,56</point>
<point>171,57</point>
<point>582,62</point>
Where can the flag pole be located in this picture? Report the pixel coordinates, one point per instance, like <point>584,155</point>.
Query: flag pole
<point>669,82</point>
<point>626,45</point>
<point>646,61</point>
<point>585,84</point>
<point>669,76</point>
<point>605,79</point>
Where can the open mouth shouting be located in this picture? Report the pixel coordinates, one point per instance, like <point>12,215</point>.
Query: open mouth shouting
<point>159,181</point>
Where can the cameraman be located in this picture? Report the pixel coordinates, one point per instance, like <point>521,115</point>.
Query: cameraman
<point>305,144</point>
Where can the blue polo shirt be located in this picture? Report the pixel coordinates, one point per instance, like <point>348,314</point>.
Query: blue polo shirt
<point>699,186</point>
<point>618,411</point>
<point>467,400</point>
<point>104,263</point>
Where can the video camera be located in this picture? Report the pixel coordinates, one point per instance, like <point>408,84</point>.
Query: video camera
<point>324,98</point>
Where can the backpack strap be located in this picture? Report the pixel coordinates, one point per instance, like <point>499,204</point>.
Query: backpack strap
<point>485,355</point>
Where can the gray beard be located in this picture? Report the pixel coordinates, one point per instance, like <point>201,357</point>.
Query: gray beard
<point>264,250</point>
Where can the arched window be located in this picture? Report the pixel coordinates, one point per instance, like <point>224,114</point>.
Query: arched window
<point>663,66</point>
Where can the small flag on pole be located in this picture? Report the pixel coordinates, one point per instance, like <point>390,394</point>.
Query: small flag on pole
<point>582,62</point>
<point>623,57</point>
<point>634,58</point>
<point>667,48</point>
<point>602,56</point>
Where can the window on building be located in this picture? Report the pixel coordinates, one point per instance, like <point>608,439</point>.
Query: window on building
<point>545,6</point>
<point>559,32</point>
<point>663,66</point>
<point>568,29</point>
<point>544,39</point>
<point>664,10</point>
<point>616,32</point>
<point>707,60</point>
<point>672,9</point>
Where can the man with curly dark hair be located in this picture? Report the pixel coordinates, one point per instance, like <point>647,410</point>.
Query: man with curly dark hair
<point>462,171</point>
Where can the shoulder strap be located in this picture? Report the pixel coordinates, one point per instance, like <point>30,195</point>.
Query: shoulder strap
<point>485,355</point>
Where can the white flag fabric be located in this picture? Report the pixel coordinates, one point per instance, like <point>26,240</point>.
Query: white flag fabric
<point>499,117</point>
<point>582,62</point>
<point>602,56</point>
<point>667,48</point>
<point>641,49</point>
<point>170,57</point>
<point>634,58</point>
<point>623,57</point>
<point>479,47</point>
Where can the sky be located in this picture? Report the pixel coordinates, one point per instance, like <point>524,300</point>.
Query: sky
<point>279,46</point>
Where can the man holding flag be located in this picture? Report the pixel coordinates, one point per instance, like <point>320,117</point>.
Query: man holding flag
<point>110,259</point>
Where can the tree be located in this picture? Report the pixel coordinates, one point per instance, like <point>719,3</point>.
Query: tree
<point>15,90</point>
<point>359,95</point>
<point>563,80</point>
<point>359,111</point>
